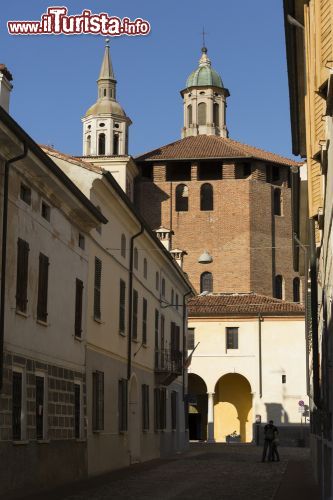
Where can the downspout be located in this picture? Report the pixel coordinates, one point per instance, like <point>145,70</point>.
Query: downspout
<point>4,255</point>
<point>314,314</point>
<point>260,355</point>
<point>184,338</point>
<point>130,300</point>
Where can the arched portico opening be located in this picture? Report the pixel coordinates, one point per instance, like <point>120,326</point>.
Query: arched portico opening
<point>233,408</point>
<point>134,421</point>
<point>197,416</point>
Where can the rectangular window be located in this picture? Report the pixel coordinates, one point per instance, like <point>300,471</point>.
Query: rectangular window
<point>122,306</point>
<point>135,315</point>
<point>39,407</point>
<point>232,337</point>
<point>157,320</point>
<point>145,407</point>
<point>284,379</point>
<point>144,321</point>
<point>46,211</point>
<point>174,404</point>
<point>162,353</point>
<point>98,401</point>
<point>97,289</point>
<point>22,275</point>
<point>159,408</point>
<point>122,404</point>
<point>43,279</point>
<point>247,169</point>
<point>82,242</point>
<point>78,307</point>
<point>25,194</point>
<point>77,411</point>
<point>275,173</point>
<point>17,406</point>
<point>190,339</point>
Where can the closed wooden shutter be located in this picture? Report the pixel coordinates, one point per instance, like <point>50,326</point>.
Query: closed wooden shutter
<point>135,315</point>
<point>122,305</point>
<point>78,307</point>
<point>39,407</point>
<point>97,288</point>
<point>42,287</point>
<point>144,320</point>
<point>174,404</point>
<point>145,407</point>
<point>98,401</point>
<point>16,406</point>
<point>122,405</point>
<point>22,275</point>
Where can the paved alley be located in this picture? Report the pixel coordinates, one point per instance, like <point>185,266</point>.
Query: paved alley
<point>206,471</point>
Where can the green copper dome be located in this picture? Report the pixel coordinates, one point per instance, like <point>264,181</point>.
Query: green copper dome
<point>204,75</point>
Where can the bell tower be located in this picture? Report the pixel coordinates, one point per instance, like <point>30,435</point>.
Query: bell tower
<point>205,101</point>
<point>105,124</point>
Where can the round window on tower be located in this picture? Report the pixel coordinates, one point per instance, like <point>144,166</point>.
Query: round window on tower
<point>190,95</point>
<point>89,127</point>
<point>102,124</point>
<point>116,125</point>
<point>201,93</point>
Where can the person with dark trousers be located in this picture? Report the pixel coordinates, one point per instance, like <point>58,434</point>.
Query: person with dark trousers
<point>275,451</point>
<point>269,433</point>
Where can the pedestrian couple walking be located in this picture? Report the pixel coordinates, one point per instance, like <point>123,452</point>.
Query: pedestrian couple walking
<point>271,442</point>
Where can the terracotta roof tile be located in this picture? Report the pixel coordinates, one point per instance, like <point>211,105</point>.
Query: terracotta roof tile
<point>63,156</point>
<point>240,303</point>
<point>211,146</point>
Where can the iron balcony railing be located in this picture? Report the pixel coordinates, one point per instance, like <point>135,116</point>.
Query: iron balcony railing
<point>168,361</point>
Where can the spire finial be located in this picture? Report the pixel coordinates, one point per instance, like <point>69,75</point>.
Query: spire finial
<point>107,42</point>
<point>204,48</point>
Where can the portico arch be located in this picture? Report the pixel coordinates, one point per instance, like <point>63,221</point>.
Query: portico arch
<point>197,391</point>
<point>233,407</point>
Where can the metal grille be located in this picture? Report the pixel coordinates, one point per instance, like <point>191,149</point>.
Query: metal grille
<point>16,405</point>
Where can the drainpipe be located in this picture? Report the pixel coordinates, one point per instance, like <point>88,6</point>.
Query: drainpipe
<point>4,255</point>
<point>130,300</point>
<point>184,338</point>
<point>260,355</point>
<point>314,314</point>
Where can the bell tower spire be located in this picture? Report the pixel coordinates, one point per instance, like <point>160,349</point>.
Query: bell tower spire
<point>105,124</point>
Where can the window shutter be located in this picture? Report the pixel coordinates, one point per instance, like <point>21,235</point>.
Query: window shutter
<point>78,307</point>
<point>135,315</point>
<point>122,405</point>
<point>22,275</point>
<point>97,289</point>
<point>16,405</point>
<point>145,407</point>
<point>98,401</point>
<point>122,305</point>
<point>144,320</point>
<point>42,287</point>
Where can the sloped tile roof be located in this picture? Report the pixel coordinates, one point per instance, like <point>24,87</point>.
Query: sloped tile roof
<point>240,303</point>
<point>211,146</point>
<point>72,159</point>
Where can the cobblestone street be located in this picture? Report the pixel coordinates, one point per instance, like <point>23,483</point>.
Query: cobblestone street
<point>206,471</point>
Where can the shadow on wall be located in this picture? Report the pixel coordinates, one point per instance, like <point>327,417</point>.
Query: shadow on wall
<point>149,200</point>
<point>277,413</point>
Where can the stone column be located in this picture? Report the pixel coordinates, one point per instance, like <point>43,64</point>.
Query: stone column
<point>210,418</point>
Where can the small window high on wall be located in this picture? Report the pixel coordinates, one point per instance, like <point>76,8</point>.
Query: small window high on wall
<point>116,144</point>
<point>206,282</point>
<point>181,198</point>
<point>278,287</point>
<point>101,144</point>
<point>277,202</point>
<point>206,197</point>
<point>202,113</point>
<point>296,290</point>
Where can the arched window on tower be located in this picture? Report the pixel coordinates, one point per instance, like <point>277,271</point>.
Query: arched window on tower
<point>277,202</point>
<point>101,144</point>
<point>278,287</point>
<point>104,92</point>
<point>216,114</point>
<point>206,282</point>
<point>181,198</point>
<point>206,197</point>
<point>88,145</point>
<point>189,115</point>
<point>202,113</point>
<point>296,290</point>
<point>116,144</point>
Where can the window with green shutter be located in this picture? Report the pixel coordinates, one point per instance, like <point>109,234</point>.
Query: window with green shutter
<point>43,278</point>
<point>22,275</point>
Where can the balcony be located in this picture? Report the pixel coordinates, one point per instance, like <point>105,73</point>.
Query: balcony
<point>168,365</point>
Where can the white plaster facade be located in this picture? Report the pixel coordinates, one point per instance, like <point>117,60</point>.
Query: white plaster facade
<point>266,351</point>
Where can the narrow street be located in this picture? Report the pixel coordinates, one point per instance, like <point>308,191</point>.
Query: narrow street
<point>206,471</point>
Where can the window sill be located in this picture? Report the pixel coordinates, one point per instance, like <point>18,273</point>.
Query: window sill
<point>97,431</point>
<point>43,441</point>
<point>123,334</point>
<point>41,322</point>
<point>136,341</point>
<point>78,339</point>
<point>20,443</point>
<point>22,313</point>
<point>98,320</point>
<point>82,440</point>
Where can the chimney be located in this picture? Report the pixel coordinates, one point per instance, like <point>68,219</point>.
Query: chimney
<point>164,235</point>
<point>5,87</point>
<point>178,255</point>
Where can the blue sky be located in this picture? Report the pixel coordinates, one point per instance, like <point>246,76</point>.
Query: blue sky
<point>55,76</point>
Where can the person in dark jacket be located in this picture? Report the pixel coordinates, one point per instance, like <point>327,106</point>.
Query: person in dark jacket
<point>269,433</point>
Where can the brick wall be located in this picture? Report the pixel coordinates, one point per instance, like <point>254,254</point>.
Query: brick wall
<point>60,398</point>
<point>239,233</point>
